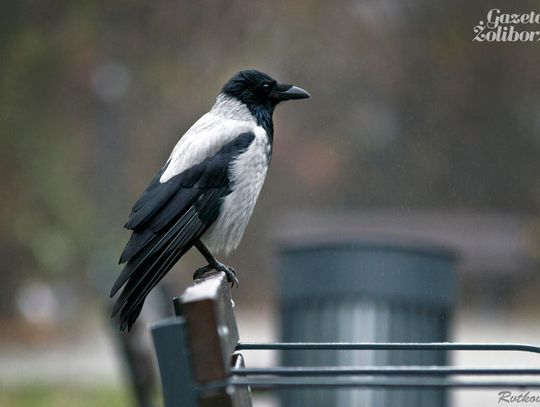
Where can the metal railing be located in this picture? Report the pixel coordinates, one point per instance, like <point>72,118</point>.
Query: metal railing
<point>423,376</point>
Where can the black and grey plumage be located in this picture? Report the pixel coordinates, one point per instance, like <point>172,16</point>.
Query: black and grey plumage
<point>206,191</point>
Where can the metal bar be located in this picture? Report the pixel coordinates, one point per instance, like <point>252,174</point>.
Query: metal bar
<point>174,361</point>
<point>382,370</point>
<point>388,346</point>
<point>322,382</point>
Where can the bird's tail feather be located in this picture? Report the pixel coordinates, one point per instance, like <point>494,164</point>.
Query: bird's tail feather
<point>144,254</point>
<point>155,261</point>
<point>139,285</point>
<point>144,270</point>
<point>141,275</point>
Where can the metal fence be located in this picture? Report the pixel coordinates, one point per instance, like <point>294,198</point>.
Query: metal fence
<point>200,362</point>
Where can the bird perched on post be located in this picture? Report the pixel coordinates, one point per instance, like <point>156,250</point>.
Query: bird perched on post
<point>205,193</point>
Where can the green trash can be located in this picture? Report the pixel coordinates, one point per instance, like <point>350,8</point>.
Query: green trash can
<point>360,291</point>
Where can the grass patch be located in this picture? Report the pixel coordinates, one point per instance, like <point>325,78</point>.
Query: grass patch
<point>68,396</point>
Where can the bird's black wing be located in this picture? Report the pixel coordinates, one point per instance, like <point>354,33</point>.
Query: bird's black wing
<point>167,220</point>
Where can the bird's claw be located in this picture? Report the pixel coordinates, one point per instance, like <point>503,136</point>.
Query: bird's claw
<point>229,272</point>
<point>231,276</point>
<point>201,272</point>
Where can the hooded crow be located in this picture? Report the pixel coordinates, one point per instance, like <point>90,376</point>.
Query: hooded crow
<point>205,193</point>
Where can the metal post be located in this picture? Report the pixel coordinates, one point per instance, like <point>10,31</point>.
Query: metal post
<point>179,389</point>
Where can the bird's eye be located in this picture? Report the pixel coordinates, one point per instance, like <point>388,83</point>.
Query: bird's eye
<point>266,87</point>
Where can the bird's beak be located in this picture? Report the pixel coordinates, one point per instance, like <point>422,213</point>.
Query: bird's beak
<point>287,92</point>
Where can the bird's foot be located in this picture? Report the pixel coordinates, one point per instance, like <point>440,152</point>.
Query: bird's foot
<point>229,272</point>
<point>202,271</point>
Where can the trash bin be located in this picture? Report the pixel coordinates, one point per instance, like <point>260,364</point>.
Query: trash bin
<point>364,292</point>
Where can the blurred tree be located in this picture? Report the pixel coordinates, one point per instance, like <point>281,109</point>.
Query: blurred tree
<point>406,112</point>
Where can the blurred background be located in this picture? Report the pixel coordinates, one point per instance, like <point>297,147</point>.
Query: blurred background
<point>413,130</point>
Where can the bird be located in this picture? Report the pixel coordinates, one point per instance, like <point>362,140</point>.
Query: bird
<point>204,195</point>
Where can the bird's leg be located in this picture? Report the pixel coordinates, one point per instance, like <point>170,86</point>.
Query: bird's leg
<point>213,264</point>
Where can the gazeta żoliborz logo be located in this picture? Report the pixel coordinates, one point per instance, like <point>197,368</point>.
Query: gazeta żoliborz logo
<point>508,27</point>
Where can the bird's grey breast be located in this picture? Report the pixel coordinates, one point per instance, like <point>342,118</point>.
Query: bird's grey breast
<point>247,174</point>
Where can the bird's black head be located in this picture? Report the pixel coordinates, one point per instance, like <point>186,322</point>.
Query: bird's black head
<point>255,88</point>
